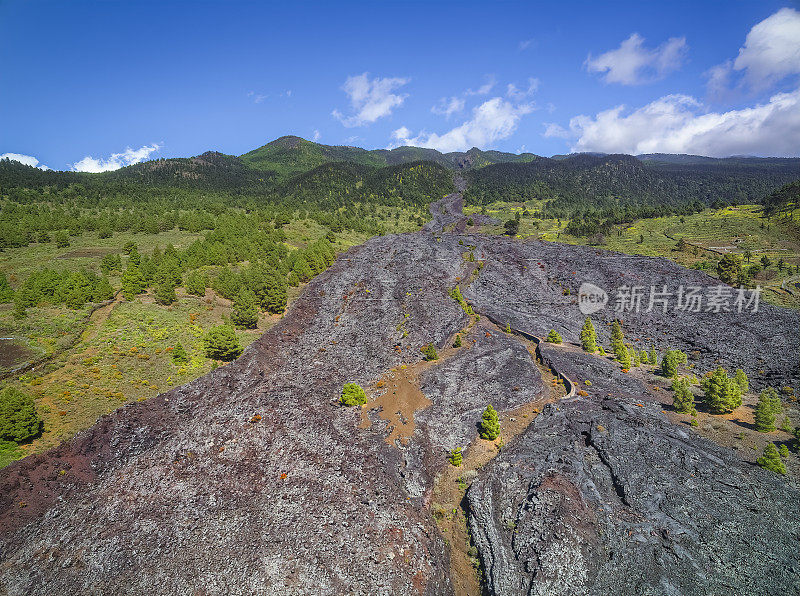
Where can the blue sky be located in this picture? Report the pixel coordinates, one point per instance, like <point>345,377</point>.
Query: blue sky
<point>98,85</point>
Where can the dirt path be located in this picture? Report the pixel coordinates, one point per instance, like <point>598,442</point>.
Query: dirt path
<point>450,487</point>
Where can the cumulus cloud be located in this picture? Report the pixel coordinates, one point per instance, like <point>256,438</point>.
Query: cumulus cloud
<point>28,160</point>
<point>448,106</point>
<point>491,121</point>
<point>115,161</point>
<point>681,124</point>
<point>634,64</point>
<point>771,52</point>
<point>370,99</point>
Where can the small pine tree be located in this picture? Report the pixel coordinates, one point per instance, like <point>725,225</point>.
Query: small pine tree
<point>165,293</point>
<point>455,457</point>
<point>554,337</point>
<point>644,357</point>
<point>741,379</point>
<point>683,400</point>
<point>653,356</point>
<point>457,342</point>
<point>637,358</point>
<point>617,338</point>
<point>6,292</point>
<point>353,395</point>
<point>195,283</point>
<point>670,362</point>
<point>508,328</point>
<point>18,418</point>
<point>771,460</point>
<point>490,425</point>
<point>767,410</point>
<point>722,393</point>
<point>221,343</point>
<point>179,355</point>
<point>589,336</point>
<point>623,356</point>
<point>132,283</point>
<point>429,352</point>
<point>245,311</point>
<point>784,451</point>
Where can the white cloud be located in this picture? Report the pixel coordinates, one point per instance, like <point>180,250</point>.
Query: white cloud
<point>680,124</point>
<point>524,45</point>
<point>371,99</point>
<point>491,121</point>
<point>633,64</point>
<point>116,161</point>
<point>771,52</point>
<point>484,89</point>
<point>257,97</point>
<point>316,136</point>
<point>28,160</point>
<point>514,93</point>
<point>448,106</point>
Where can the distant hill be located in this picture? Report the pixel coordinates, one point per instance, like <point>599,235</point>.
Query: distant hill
<point>292,155</point>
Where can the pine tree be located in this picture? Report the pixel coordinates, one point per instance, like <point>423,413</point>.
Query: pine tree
<point>18,418</point>
<point>670,362</point>
<point>683,399</point>
<point>165,293</point>
<point>637,359</point>
<point>6,292</point>
<point>353,395</point>
<point>179,355</point>
<point>274,298</point>
<point>617,338</point>
<point>490,425</point>
<point>455,457</point>
<point>245,311</point>
<point>722,393</point>
<point>589,336</point>
<point>741,379</point>
<point>554,337</point>
<point>653,356</point>
<point>623,355</point>
<point>767,410</point>
<point>771,460</point>
<point>457,342</point>
<point>644,357</point>
<point>195,283</point>
<point>429,351</point>
<point>132,283</point>
<point>221,343</point>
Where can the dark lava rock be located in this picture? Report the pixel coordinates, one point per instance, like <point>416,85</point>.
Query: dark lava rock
<point>607,497</point>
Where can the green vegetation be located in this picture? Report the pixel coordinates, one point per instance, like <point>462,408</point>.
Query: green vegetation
<point>589,336</point>
<point>429,352</point>
<point>771,460</point>
<point>553,337</point>
<point>179,355</point>
<point>767,410</point>
<point>455,457</point>
<point>455,294</point>
<point>221,343</point>
<point>490,425</point>
<point>722,393</point>
<point>18,418</point>
<point>683,398</point>
<point>353,395</point>
<point>741,379</point>
<point>457,342</point>
<point>245,310</point>
<point>670,362</point>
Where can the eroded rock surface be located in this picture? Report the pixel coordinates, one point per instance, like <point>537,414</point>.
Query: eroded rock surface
<point>607,497</point>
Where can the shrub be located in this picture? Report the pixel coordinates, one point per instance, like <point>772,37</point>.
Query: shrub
<point>771,460</point>
<point>508,328</point>
<point>783,450</point>
<point>490,425</point>
<point>195,283</point>
<point>455,457</point>
<point>553,337</point>
<point>221,343</point>
<point>61,239</point>
<point>353,395</point>
<point>18,418</point>
<point>588,336</point>
<point>429,352</point>
<point>165,293</point>
<point>457,342</point>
